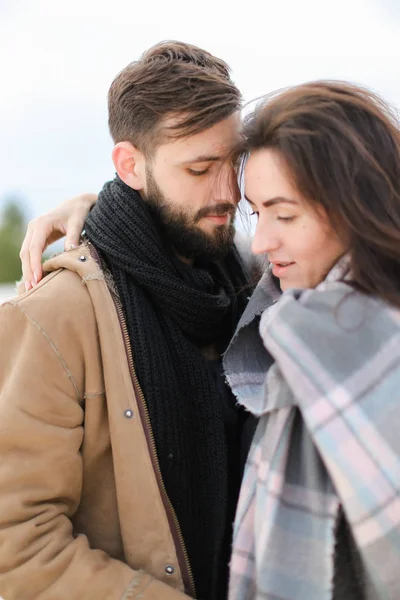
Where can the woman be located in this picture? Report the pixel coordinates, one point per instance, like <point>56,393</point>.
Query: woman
<point>319,514</point>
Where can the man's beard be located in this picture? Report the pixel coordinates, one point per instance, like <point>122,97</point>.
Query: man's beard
<point>179,228</point>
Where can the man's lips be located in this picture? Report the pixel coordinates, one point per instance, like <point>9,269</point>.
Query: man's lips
<point>218,219</point>
<point>219,214</point>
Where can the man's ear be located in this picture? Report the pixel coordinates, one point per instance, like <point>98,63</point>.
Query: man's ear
<point>129,163</point>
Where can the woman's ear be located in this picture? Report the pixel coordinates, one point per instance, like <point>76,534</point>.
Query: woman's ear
<point>129,163</point>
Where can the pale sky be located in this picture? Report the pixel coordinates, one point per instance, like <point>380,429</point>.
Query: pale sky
<point>58,59</point>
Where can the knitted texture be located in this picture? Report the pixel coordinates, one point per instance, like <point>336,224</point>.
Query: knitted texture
<point>171,309</point>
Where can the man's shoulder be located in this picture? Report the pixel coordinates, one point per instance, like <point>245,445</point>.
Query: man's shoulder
<point>60,296</point>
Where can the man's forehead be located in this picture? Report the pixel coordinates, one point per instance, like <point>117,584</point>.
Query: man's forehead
<point>215,143</point>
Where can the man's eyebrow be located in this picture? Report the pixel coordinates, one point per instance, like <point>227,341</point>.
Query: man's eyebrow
<point>273,201</point>
<point>203,158</point>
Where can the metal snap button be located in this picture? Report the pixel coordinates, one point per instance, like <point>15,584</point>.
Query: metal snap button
<point>82,258</point>
<point>169,569</point>
<point>128,413</point>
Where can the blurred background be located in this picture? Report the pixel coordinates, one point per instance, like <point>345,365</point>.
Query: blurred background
<point>58,60</point>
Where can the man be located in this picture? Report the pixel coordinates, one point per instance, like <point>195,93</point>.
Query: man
<point>120,443</point>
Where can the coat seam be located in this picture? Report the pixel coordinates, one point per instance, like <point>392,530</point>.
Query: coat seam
<point>90,395</point>
<point>134,583</point>
<point>52,346</point>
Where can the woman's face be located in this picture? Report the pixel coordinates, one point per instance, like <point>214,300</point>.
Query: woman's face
<point>299,241</point>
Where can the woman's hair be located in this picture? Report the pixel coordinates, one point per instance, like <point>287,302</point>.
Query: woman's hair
<point>341,146</point>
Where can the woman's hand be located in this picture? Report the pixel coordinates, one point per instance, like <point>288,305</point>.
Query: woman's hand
<point>66,220</point>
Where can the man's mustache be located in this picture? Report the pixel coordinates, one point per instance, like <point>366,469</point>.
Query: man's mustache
<point>218,210</point>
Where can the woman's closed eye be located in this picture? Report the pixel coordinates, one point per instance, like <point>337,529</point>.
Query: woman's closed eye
<point>287,219</point>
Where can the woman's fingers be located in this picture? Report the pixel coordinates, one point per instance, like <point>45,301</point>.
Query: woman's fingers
<point>27,273</point>
<point>68,220</point>
<point>41,232</point>
<point>74,230</point>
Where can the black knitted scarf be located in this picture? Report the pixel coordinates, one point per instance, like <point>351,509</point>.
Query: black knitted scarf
<point>171,310</point>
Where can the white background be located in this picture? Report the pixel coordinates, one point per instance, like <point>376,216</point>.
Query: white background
<point>58,59</point>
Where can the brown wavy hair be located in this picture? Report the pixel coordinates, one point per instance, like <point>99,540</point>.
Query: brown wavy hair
<point>341,146</point>
<point>171,79</point>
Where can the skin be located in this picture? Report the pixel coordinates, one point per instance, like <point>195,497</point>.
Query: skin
<point>67,219</point>
<point>194,174</point>
<point>288,229</point>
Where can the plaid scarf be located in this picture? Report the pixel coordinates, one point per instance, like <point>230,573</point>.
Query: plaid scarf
<point>327,443</point>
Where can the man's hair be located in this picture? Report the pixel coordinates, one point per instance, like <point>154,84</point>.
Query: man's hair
<point>171,79</point>
<point>341,147</point>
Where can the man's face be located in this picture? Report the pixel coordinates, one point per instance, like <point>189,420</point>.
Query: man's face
<point>192,189</point>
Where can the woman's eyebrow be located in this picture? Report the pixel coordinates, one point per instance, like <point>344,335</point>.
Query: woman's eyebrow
<point>273,201</point>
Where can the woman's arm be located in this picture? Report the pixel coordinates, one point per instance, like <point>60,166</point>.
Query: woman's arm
<point>66,220</point>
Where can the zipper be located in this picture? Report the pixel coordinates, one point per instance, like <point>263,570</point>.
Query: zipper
<point>182,555</point>
<point>188,580</point>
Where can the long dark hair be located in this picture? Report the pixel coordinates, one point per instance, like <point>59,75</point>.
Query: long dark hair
<point>341,147</point>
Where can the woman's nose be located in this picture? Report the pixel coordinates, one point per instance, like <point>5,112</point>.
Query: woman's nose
<point>264,241</point>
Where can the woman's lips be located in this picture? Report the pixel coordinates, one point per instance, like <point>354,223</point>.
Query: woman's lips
<point>280,269</point>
